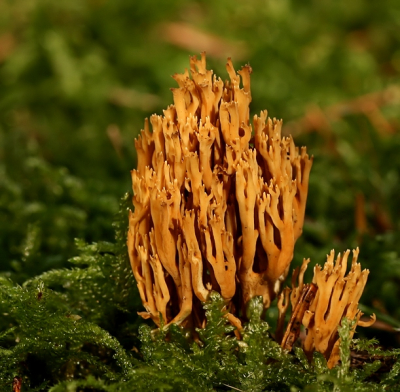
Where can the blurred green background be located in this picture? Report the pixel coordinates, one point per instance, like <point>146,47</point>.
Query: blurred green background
<point>78,78</point>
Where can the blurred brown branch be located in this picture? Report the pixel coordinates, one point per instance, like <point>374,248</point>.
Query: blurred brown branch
<point>194,40</point>
<point>319,120</point>
<point>7,45</point>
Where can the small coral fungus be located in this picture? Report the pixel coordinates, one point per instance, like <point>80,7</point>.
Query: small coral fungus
<point>321,310</point>
<point>218,204</point>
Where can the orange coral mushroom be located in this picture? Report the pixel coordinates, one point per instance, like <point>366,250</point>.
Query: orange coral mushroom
<point>337,297</point>
<point>215,208</point>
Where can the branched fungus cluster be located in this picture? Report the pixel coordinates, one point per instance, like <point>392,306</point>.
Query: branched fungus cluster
<point>215,207</point>
<point>335,295</point>
<point>218,204</point>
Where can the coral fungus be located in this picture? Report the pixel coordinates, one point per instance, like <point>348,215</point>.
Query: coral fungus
<point>337,297</point>
<point>216,206</point>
